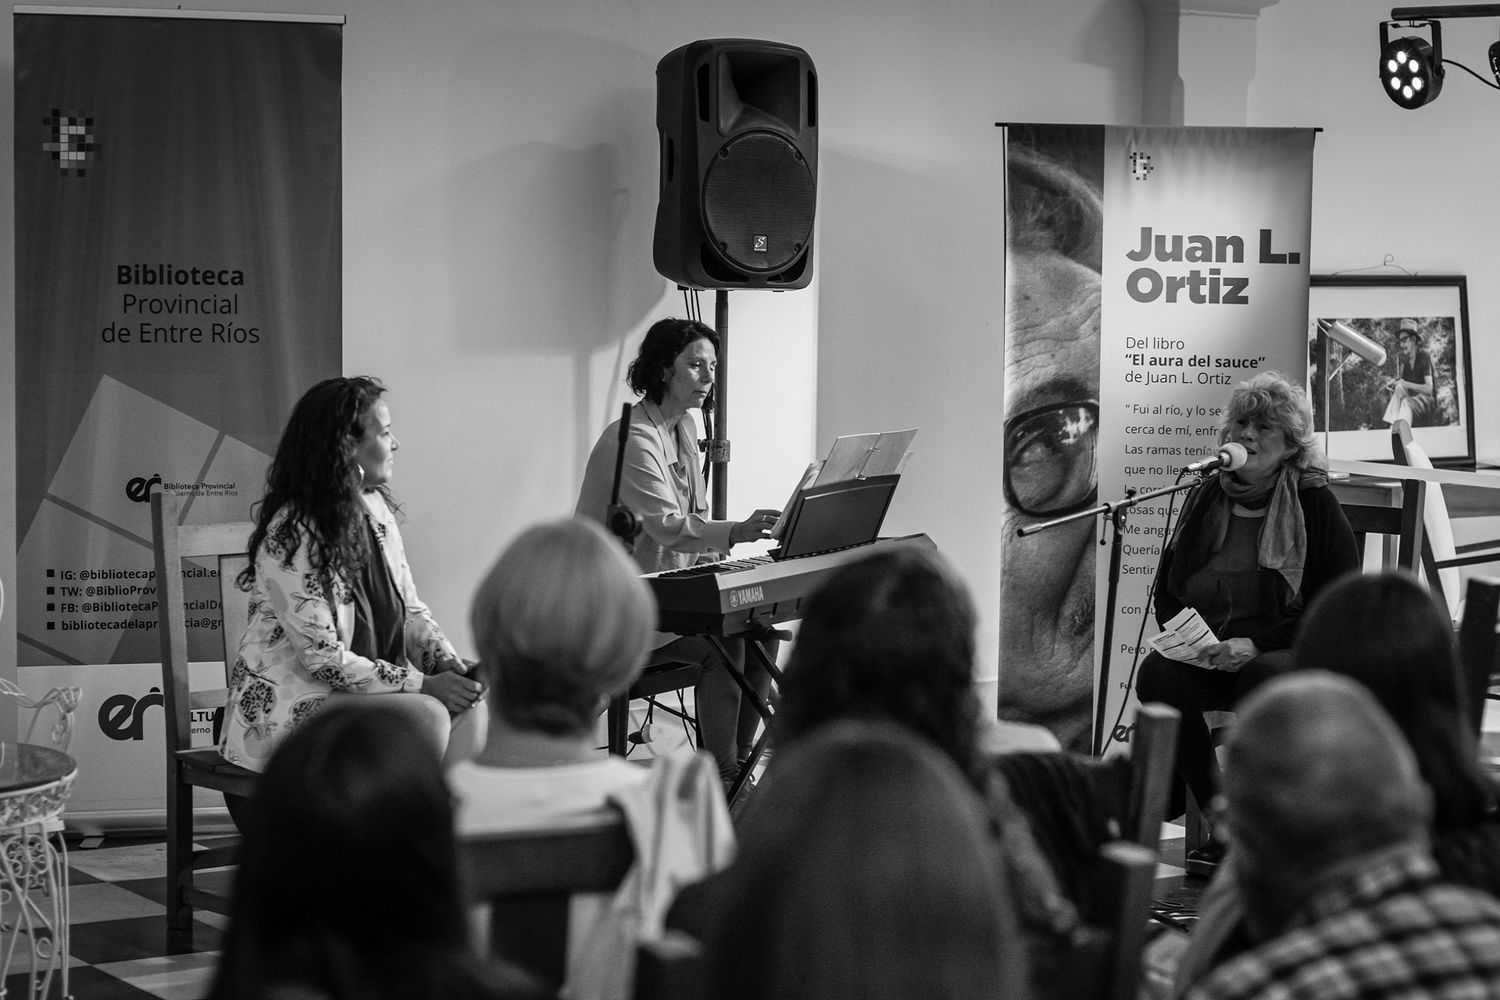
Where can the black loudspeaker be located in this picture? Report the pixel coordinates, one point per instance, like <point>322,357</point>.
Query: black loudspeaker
<point>738,122</point>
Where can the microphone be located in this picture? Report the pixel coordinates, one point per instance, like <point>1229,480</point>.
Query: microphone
<point>1230,457</point>
<point>1353,341</point>
<point>620,519</point>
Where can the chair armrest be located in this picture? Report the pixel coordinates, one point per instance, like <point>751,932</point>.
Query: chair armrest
<point>218,698</point>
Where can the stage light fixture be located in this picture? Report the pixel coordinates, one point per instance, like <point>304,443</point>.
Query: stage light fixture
<point>1411,67</point>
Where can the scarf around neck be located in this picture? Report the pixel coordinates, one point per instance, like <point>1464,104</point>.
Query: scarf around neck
<point>1283,534</point>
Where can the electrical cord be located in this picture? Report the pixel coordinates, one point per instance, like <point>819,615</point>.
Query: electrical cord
<point>1488,83</point>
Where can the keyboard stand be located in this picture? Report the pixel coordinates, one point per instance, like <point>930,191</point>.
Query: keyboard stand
<point>761,705</point>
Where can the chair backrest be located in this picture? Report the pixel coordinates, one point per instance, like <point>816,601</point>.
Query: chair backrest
<point>1076,803</point>
<point>1438,535</point>
<point>1478,644</point>
<point>1104,960</point>
<point>1404,522</point>
<point>527,880</point>
<point>1153,755</point>
<point>219,548</point>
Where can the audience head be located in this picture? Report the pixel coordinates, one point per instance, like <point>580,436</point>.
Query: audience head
<point>347,876</point>
<point>664,341</point>
<point>1271,398</point>
<point>563,622</point>
<point>865,870</point>
<point>1389,633</point>
<point>1316,777</point>
<point>889,636</point>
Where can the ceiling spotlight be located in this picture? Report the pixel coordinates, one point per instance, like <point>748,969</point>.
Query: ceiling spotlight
<point>1411,68</point>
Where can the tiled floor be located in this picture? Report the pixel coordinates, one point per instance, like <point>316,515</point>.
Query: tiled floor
<point>119,929</point>
<point>119,923</point>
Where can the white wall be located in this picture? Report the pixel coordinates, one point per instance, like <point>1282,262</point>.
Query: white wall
<point>500,173</point>
<point>1422,186</point>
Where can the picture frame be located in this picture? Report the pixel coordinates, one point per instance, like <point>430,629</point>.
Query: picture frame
<point>1352,411</point>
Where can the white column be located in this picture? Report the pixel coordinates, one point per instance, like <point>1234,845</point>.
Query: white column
<point>1199,60</point>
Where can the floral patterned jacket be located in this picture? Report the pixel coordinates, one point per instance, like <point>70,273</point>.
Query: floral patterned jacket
<point>296,647</point>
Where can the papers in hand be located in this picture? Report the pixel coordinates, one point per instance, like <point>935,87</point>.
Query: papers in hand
<point>1184,637</point>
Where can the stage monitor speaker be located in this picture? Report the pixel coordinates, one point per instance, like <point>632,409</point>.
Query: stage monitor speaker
<point>738,122</point>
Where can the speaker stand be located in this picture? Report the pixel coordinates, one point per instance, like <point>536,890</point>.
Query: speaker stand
<point>718,446</point>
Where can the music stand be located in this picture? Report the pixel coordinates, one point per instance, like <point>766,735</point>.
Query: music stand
<point>836,516</point>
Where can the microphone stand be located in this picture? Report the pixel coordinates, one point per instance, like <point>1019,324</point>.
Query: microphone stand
<point>619,518</point>
<point>1115,509</point>
<point>718,445</point>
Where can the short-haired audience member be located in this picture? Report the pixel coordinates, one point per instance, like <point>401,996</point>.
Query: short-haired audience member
<point>865,871</point>
<point>1387,632</point>
<point>1327,817</point>
<point>1393,636</point>
<point>563,622</point>
<point>1253,549</point>
<point>890,638</point>
<point>334,612</point>
<point>348,886</point>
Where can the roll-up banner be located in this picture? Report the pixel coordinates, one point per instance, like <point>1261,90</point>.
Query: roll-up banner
<point>178,286</point>
<point>1148,272</point>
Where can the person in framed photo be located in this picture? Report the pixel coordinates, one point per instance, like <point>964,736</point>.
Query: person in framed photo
<point>1414,389</point>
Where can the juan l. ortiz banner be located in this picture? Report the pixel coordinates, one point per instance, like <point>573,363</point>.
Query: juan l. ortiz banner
<point>1148,271</point>
<point>178,286</point>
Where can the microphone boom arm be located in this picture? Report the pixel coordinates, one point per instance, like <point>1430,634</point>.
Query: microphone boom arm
<point>1116,510</point>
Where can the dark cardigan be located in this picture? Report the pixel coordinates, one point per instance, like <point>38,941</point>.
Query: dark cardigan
<point>1331,553</point>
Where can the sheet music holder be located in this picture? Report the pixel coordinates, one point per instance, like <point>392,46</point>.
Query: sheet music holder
<point>841,501</point>
<point>862,456</point>
<point>835,516</point>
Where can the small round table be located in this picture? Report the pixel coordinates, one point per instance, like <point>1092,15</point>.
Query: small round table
<point>34,785</point>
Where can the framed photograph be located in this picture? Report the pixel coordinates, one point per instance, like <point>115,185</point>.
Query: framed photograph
<point>1382,348</point>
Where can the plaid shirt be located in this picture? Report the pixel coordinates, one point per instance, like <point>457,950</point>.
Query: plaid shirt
<point>1391,930</point>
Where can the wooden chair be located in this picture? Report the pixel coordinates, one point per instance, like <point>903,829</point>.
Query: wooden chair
<point>663,679</point>
<point>222,548</point>
<point>527,879</point>
<point>1479,646</point>
<point>1104,960</point>
<point>1153,756</point>
<point>654,682</point>
<point>1076,803</point>
<point>1404,523</point>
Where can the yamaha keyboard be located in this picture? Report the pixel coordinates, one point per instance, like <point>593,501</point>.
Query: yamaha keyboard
<point>737,595</point>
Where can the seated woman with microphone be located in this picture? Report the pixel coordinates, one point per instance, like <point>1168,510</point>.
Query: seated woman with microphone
<point>662,484</point>
<point>1255,544</point>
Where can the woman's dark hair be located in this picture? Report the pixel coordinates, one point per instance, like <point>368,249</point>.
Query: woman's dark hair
<point>1385,631</point>
<point>348,882</point>
<point>865,870</point>
<point>891,637</point>
<point>666,339</point>
<point>315,477</point>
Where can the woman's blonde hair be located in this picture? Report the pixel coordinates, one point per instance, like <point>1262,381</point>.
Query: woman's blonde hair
<point>1272,398</point>
<point>563,622</point>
